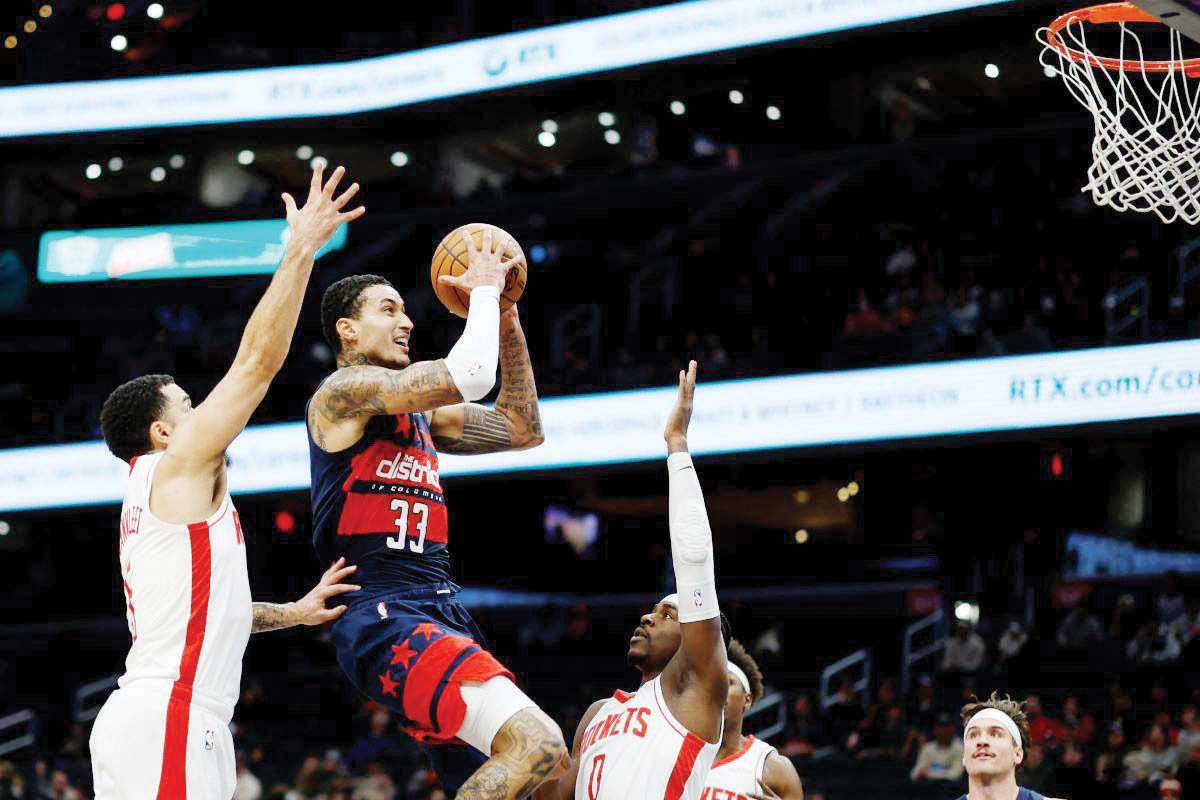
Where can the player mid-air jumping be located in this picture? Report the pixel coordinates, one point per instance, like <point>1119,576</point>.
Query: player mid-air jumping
<point>376,426</point>
<point>165,732</point>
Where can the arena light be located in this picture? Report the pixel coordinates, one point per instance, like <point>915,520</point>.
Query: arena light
<point>801,496</point>
<point>736,97</point>
<point>852,487</point>
<point>843,495</point>
<point>966,612</point>
<point>549,126</point>
<point>304,152</point>
<point>115,11</point>
<point>5,528</point>
<point>116,164</point>
<point>801,536</point>
<point>245,157</point>
<point>992,71</point>
<point>154,11</point>
<point>93,171</point>
<point>606,118</point>
<point>45,11</point>
<point>537,253</point>
<point>158,174</point>
<point>773,113</point>
<point>10,42</point>
<point>546,139</point>
<point>399,159</point>
<point>30,26</point>
<point>118,43</point>
<point>612,136</point>
<point>678,108</point>
<point>177,161</point>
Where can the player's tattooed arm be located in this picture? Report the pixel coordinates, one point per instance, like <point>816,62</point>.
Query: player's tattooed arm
<point>514,424</point>
<point>310,609</point>
<point>363,390</point>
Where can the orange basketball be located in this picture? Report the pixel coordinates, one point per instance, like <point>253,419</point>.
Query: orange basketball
<point>450,258</point>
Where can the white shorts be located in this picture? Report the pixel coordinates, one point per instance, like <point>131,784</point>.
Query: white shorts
<point>129,745</point>
<point>489,706</point>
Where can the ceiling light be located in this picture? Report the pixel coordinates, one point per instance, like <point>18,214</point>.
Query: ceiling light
<point>612,137</point>
<point>546,139</point>
<point>606,119</point>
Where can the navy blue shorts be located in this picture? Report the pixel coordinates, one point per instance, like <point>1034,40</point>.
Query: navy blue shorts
<point>411,651</point>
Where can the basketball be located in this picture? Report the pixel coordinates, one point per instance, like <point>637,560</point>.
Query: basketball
<point>450,258</point>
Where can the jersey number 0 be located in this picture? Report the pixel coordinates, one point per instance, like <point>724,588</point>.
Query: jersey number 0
<point>421,512</point>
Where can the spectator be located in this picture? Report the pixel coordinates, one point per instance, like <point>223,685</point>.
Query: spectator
<point>377,745</point>
<point>61,788</point>
<point>1170,605</point>
<point>1072,775</point>
<point>941,758</point>
<point>1189,729</point>
<point>1153,760</point>
<point>964,652</point>
<point>865,322</point>
<point>1037,773</point>
<point>1042,729</point>
<point>1081,725</point>
<point>1170,789</point>
<point>1078,630</point>
<point>845,716</point>
<point>892,739</point>
<point>377,785</point>
<point>806,731</point>
<point>12,785</point>
<point>1110,764</point>
<point>248,786</point>
<point>923,705</point>
<point>1189,769</point>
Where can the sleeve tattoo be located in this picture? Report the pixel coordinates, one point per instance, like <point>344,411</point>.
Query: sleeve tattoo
<point>270,617</point>
<point>367,391</point>
<point>484,431</point>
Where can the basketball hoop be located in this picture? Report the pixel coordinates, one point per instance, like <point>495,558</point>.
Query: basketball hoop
<point>1146,149</point>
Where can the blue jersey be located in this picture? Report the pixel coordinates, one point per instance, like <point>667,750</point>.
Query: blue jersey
<point>379,503</point>
<point>1022,794</point>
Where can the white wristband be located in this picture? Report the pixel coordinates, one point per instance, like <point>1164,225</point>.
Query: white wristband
<point>472,360</point>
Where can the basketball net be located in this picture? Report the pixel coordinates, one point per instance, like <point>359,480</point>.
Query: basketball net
<point>1146,148</point>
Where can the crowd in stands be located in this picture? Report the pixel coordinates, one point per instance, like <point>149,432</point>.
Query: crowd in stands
<point>1129,730</point>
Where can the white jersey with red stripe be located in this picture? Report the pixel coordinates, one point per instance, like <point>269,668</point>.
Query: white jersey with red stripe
<point>635,749</point>
<point>187,592</point>
<point>736,776</point>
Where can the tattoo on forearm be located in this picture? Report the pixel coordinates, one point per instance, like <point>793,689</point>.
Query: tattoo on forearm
<point>518,400</point>
<point>484,431</point>
<point>357,391</point>
<point>269,617</point>
<point>526,755</point>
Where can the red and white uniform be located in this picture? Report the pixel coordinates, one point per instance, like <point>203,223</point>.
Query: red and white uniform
<point>634,749</point>
<point>736,776</point>
<point>164,734</point>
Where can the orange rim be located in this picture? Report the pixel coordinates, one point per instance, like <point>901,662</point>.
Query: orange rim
<point>1109,14</point>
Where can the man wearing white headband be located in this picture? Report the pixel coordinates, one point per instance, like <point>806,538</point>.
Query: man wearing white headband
<point>660,741</point>
<point>995,733</point>
<point>748,768</point>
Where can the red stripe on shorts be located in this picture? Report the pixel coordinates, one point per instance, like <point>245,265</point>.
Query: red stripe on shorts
<point>172,782</point>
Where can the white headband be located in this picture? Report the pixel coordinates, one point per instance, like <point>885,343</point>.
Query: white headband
<point>671,600</point>
<point>997,716</point>
<point>741,676</point>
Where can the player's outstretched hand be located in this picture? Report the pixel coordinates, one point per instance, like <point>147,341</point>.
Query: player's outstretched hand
<point>321,215</point>
<point>311,610</point>
<point>681,414</point>
<point>485,264</point>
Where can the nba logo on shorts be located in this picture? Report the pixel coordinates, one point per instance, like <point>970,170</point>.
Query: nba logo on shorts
<point>208,740</point>
<point>699,601</point>
<point>382,609</point>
